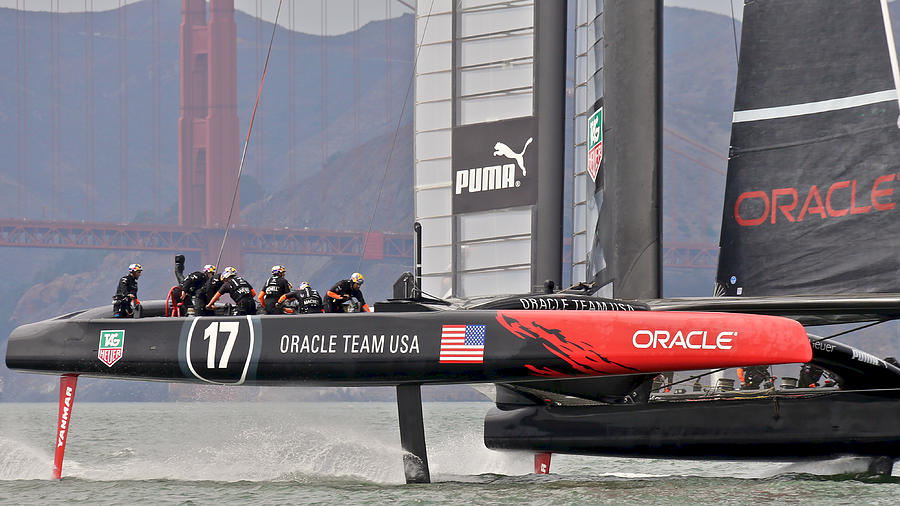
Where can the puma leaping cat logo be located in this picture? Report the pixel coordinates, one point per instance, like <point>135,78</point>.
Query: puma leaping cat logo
<point>501,149</point>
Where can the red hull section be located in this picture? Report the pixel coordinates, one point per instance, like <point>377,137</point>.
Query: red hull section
<point>636,342</point>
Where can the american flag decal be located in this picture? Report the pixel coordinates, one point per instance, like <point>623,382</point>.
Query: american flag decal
<point>462,344</point>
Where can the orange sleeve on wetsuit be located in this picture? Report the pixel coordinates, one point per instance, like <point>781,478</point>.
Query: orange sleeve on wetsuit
<point>282,298</point>
<point>334,295</point>
<point>214,299</point>
<point>262,297</point>
<point>253,292</point>
<point>365,307</point>
<point>740,373</point>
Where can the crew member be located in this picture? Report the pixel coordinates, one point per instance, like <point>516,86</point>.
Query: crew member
<point>240,290</point>
<point>208,292</point>
<point>125,300</point>
<point>276,286</point>
<point>193,290</point>
<point>342,291</point>
<point>752,377</point>
<point>809,376</point>
<point>309,299</point>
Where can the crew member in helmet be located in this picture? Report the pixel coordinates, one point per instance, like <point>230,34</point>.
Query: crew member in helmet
<point>193,290</point>
<point>209,291</point>
<point>343,290</point>
<point>240,290</point>
<point>125,300</point>
<point>275,287</point>
<point>309,300</point>
<point>753,377</point>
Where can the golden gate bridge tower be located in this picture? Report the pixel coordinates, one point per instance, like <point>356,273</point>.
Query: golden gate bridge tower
<point>208,137</point>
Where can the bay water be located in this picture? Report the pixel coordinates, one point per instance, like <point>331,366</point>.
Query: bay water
<point>349,453</point>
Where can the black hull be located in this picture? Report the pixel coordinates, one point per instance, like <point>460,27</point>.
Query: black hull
<point>384,348</point>
<point>784,427</point>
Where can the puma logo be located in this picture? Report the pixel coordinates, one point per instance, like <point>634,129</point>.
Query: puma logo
<point>501,149</point>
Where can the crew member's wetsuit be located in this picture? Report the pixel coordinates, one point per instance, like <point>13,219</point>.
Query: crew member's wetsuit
<point>126,292</point>
<point>275,287</point>
<point>193,291</point>
<point>754,376</point>
<point>309,300</point>
<point>344,289</point>
<point>206,293</point>
<point>809,376</point>
<point>241,293</point>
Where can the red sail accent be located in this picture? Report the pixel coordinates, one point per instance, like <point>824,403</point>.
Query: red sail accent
<point>67,383</point>
<point>608,342</point>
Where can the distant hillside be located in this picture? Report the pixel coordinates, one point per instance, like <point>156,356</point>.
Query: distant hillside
<point>268,158</point>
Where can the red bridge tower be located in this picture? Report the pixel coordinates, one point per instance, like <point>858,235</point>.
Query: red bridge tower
<point>208,137</point>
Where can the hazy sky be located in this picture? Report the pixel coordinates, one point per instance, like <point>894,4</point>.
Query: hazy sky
<point>307,13</point>
<point>718,6</point>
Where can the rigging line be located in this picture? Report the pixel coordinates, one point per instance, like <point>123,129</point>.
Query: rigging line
<point>19,132</point>
<point>24,111</point>
<point>734,33</point>
<point>87,117</point>
<point>820,339</point>
<point>695,143</point>
<point>387,164</point>
<point>237,182</point>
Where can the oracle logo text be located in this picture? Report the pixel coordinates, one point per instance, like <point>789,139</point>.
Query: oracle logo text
<point>690,340</point>
<point>841,198</point>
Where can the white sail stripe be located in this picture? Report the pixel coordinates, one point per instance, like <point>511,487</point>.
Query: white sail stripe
<point>462,352</point>
<point>467,359</point>
<point>453,334</point>
<point>787,111</point>
<point>892,50</point>
<point>452,341</point>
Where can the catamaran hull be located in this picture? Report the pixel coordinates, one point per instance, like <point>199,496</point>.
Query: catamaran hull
<point>400,348</point>
<point>786,427</point>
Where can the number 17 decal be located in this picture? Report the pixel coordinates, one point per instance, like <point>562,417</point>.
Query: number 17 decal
<point>212,333</point>
<point>222,355</point>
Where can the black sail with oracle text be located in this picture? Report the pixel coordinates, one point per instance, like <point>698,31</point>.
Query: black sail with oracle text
<point>811,199</point>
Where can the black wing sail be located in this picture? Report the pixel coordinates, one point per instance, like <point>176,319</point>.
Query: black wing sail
<point>626,246</point>
<point>811,200</point>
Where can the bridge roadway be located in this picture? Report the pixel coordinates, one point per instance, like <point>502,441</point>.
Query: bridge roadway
<point>178,239</point>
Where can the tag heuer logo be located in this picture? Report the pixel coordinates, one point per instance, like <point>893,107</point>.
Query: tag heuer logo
<point>595,143</point>
<point>112,344</point>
